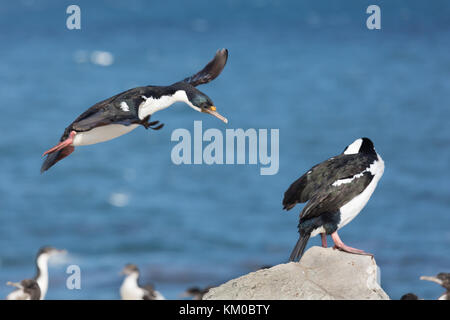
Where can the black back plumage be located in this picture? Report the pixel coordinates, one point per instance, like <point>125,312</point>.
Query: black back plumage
<point>110,111</point>
<point>317,183</point>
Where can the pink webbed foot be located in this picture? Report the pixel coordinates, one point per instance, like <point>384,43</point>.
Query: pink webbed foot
<point>338,244</point>
<point>63,144</point>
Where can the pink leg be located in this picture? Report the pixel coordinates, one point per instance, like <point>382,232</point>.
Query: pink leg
<point>338,244</point>
<point>324,239</point>
<point>63,144</point>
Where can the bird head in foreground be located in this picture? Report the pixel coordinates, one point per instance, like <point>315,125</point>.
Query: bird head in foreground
<point>442,279</point>
<point>129,269</point>
<point>409,296</point>
<point>195,292</point>
<point>50,251</point>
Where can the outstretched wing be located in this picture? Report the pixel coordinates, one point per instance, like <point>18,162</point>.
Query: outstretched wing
<point>324,175</point>
<point>211,71</point>
<point>122,108</point>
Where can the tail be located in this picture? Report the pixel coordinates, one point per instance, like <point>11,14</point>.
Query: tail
<point>211,71</point>
<point>297,253</point>
<point>56,156</point>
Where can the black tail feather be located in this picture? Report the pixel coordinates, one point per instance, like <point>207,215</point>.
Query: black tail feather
<point>56,156</point>
<point>300,246</point>
<point>211,70</point>
<point>49,161</point>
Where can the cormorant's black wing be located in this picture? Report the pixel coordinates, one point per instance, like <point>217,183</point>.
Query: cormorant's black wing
<point>211,71</point>
<point>110,111</point>
<point>150,292</point>
<point>330,199</point>
<point>324,175</point>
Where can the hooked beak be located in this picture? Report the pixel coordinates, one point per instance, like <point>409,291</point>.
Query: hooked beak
<point>212,111</point>
<point>432,279</point>
<point>15,284</point>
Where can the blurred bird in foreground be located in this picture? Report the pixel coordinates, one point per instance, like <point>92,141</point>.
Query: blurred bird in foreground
<point>41,277</point>
<point>443,279</point>
<point>27,289</point>
<point>131,290</point>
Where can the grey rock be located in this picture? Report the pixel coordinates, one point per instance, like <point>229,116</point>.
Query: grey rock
<point>321,274</point>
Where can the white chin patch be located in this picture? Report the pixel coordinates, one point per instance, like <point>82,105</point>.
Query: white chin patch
<point>354,147</point>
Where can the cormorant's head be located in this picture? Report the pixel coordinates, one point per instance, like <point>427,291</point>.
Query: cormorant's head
<point>409,296</point>
<point>130,269</point>
<point>442,279</point>
<point>200,101</point>
<point>361,145</point>
<point>49,251</point>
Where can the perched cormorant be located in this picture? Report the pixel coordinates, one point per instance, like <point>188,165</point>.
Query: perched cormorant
<point>126,111</point>
<point>336,190</point>
<point>27,289</point>
<point>41,276</point>
<point>131,290</point>
<point>442,279</point>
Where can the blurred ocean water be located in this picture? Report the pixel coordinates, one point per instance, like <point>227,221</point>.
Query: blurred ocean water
<point>312,70</point>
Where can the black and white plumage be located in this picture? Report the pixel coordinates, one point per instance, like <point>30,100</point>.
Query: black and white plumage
<point>41,277</point>
<point>126,111</point>
<point>336,191</point>
<point>27,289</point>
<point>443,279</point>
<point>131,290</point>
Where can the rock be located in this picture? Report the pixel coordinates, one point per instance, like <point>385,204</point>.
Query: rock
<point>322,274</point>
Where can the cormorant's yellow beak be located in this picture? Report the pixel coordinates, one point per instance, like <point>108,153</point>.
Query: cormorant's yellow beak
<point>14,284</point>
<point>212,111</point>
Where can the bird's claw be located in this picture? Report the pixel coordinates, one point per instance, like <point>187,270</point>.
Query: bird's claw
<point>155,125</point>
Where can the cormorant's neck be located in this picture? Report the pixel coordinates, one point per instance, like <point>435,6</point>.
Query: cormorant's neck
<point>42,273</point>
<point>131,281</point>
<point>169,97</point>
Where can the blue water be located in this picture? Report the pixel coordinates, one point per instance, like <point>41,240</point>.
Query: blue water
<point>310,69</point>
